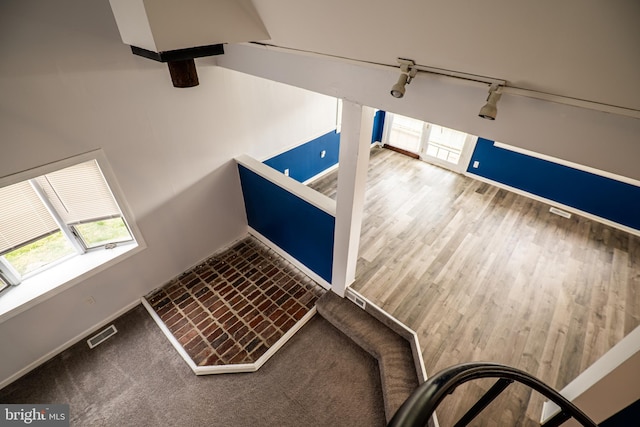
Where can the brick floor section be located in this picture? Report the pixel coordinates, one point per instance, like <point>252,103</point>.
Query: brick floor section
<point>234,306</point>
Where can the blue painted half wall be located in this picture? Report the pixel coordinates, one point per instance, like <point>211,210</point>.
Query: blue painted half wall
<point>378,126</point>
<point>305,161</point>
<point>629,416</point>
<point>302,230</point>
<point>604,197</point>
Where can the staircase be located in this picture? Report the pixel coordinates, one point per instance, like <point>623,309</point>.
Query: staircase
<point>400,372</point>
<point>410,399</point>
<point>422,403</point>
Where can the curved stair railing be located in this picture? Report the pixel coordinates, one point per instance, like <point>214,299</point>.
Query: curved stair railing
<point>419,407</point>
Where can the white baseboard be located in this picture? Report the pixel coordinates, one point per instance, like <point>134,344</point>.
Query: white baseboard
<point>227,369</point>
<point>408,333</point>
<point>167,333</point>
<point>306,270</point>
<point>554,203</point>
<point>67,344</point>
<point>252,367</point>
<point>321,174</point>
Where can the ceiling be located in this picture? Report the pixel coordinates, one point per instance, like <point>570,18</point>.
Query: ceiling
<point>584,49</point>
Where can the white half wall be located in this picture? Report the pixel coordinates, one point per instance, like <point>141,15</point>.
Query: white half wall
<point>592,138</point>
<point>69,85</point>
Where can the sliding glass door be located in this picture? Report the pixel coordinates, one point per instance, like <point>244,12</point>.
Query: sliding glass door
<point>404,133</point>
<point>432,143</point>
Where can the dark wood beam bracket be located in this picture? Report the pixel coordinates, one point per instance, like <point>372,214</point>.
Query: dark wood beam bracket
<point>183,73</point>
<point>182,66</point>
<point>179,54</point>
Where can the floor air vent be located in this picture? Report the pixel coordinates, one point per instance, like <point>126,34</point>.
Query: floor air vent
<point>102,336</point>
<point>560,212</point>
<point>357,300</point>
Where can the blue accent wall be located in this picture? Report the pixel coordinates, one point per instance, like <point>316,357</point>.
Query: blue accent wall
<point>304,161</point>
<point>378,126</point>
<point>629,416</point>
<point>299,228</point>
<point>604,197</point>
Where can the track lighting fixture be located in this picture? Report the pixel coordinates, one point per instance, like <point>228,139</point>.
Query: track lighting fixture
<point>490,109</point>
<point>408,70</point>
<point>398,89</point>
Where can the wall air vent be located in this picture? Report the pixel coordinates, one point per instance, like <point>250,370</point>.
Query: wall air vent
<point>560,212</point>
<point>102,336</point>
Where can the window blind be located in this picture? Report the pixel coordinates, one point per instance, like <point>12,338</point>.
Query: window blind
<point>23,216</point>
<point>79,193</point>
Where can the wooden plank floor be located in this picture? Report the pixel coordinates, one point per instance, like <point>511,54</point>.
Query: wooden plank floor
<point>483,274</point>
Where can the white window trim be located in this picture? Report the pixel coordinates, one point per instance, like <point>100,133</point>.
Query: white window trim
<point>56,217</point>
<point>386,132</point>
<point>40,287</point>
<point>465,155</point>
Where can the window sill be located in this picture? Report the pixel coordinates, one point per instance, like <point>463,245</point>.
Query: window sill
<point>56,279</point>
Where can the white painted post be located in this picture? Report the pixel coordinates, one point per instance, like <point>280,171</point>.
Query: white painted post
<point>355,144</point>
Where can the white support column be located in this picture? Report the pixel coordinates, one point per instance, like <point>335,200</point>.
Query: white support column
<point>355,144</point>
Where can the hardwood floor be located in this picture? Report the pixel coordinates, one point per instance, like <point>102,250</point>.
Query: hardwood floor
<point>483,274</point>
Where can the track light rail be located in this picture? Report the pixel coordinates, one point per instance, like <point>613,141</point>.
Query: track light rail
<point>459,75</point>
<point>506,89</point>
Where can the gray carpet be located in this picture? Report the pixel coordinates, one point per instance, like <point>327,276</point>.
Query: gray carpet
<point>320,378</point>
<point>398,373</point>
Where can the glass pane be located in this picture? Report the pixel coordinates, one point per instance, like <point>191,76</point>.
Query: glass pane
<point>37,254</point>
<point>443,154</point>
<point>449,143</point>
<point>447,137</point>
<point>432,150</point>
<point>405,133</point>
<point>104,231</point>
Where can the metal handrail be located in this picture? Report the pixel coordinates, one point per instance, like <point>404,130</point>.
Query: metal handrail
<point>420,406</point>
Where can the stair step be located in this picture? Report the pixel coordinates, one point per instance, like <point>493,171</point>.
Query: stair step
<point>393,352</point>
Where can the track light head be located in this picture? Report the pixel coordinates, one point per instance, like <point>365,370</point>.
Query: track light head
<point>398,89</point>
<point>409,71</point>
<point>489,110</point>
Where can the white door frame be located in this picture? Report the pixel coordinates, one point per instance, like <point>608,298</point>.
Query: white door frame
<point>465,155</point>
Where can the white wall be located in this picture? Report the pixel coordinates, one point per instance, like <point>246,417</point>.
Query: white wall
<point>600,140</point>
<point>606,387</point>
<point>68,85</point>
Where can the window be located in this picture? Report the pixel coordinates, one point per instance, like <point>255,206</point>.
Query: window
<point>406,133</point>
<point>102,232</point>
<point>50,218</point>
<point>433,143</point>
<point>37,254</point>
<point>445,144</point>
<point>3,284</point>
